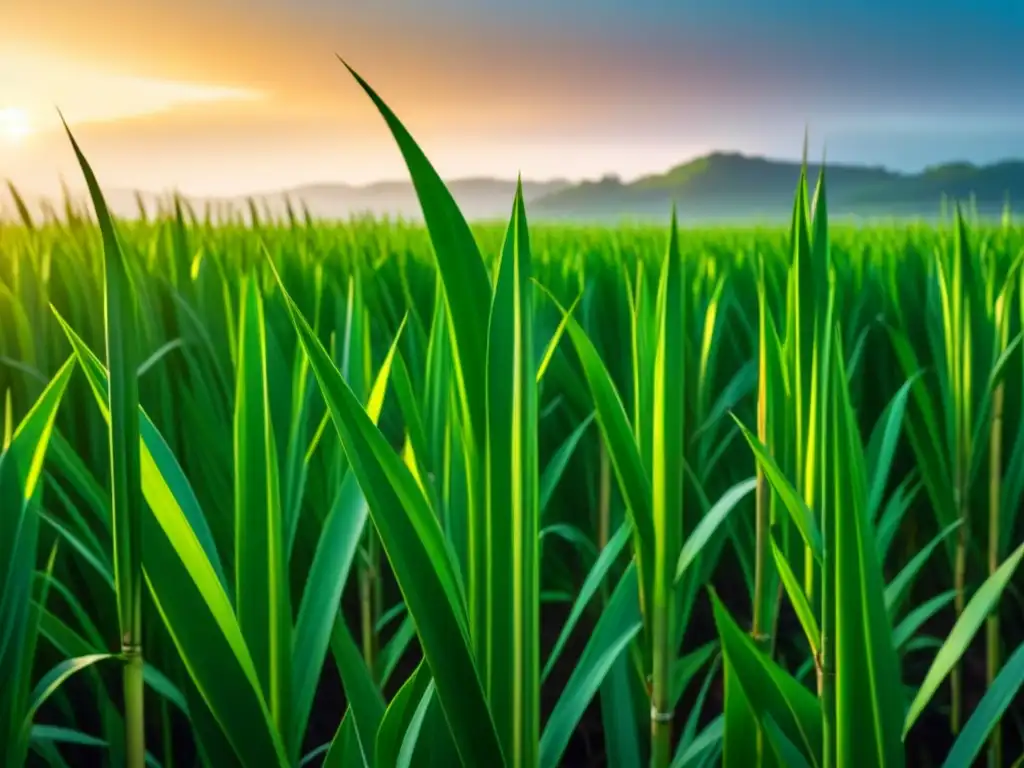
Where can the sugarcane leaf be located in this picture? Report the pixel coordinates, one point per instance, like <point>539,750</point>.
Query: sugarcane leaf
<point>711,522</point>
<point>990,709</point>
<point>770,691</point>
<point>971,619</point>
<point>336,549</point>
<point>595,577</point>
<point>414,543</point>
<point>618,625</point>
<point>798,598</point>
<point>794,503</point>
<point>189,594</point>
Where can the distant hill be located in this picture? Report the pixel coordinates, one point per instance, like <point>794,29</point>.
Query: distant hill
<point>719,186</point>
<point>732,185</point>
<point>479,198</point>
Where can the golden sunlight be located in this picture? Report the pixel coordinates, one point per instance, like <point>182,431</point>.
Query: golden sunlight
<point>85,94</point>
<point>15,124</point>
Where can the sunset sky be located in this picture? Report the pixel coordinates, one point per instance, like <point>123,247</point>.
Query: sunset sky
<point>226,97</point>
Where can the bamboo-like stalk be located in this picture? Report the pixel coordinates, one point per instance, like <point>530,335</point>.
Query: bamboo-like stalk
<point>825,662</point>
<point>762,523</point>
<point>995,474</point>
<point>369,600</point>
<point>959,585</point>
<point>761,500</point>
<point>759,630</point>
<point>134,710</point>
<point>121,320</point>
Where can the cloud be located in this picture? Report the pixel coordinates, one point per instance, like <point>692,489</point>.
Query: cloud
<point>87,93</point>
<point>232,92</point>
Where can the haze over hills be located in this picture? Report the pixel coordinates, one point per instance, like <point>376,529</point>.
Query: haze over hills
<point>725,185</point>
<point>718,186</point>
<point>479,198</point>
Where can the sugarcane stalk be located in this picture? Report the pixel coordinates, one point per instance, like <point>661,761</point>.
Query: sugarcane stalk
<point>959,585</point>
<point>995,474</point>
<point>369,601</point>
<point>761,510</point>
<point>134,710</point>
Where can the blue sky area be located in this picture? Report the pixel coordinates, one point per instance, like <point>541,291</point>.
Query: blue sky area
<point>897,82</point>
<point>549,88</point>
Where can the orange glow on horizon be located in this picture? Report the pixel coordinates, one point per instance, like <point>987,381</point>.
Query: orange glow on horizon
<point>197,95</point>
<point>85,93</point>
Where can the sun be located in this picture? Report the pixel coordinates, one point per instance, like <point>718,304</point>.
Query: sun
<point>15,125</point>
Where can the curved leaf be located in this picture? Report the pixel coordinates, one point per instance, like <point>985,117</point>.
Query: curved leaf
<point>710,523</point>
<point>419,556</point>
<point>189,593</point>
<point>619,624</point>
<point>770,691</point>
<point>595,577</point>
<point>971,619</point>
<point>801,516</point>
<point>988,712</point>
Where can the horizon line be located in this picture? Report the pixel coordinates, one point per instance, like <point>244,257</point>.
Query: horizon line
<point>287,189</point>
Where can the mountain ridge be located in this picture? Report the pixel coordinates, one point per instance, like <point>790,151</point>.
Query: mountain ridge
<point>739,185</point>
<point>718,185</point>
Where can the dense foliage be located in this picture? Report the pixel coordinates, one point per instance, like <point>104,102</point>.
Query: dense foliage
<point>283,492</point>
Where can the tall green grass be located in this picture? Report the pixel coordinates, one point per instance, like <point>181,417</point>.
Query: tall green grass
<point>666,497</point>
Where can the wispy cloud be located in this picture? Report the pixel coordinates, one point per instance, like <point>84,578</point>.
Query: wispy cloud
<point>206,93</point>
<point>88,93</point>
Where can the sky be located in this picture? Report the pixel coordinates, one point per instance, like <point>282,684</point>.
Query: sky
<point>224,97</point>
